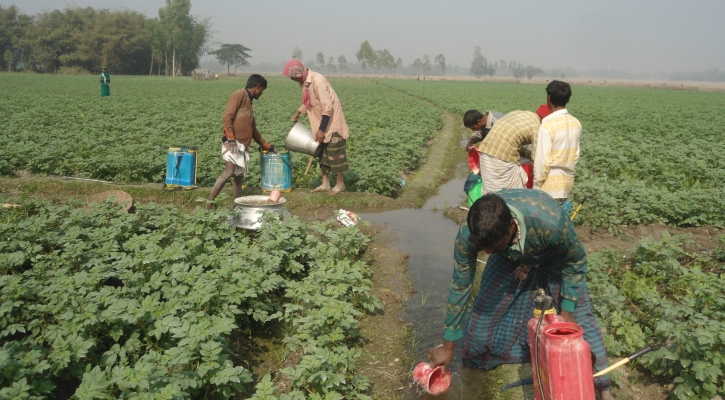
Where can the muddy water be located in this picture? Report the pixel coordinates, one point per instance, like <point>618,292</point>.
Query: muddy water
<point>427,237</point>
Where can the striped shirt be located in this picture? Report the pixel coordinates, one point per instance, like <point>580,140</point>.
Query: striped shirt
<point>557,152</point>
<point>493,116</point>
<point>512,131</point>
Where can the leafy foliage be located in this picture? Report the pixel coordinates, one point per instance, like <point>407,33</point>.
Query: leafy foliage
<point>232,54</point>
<point>647,155</point>
<point>84,39</point>
<point>126,138</point>
<point>669,297</point>
<point>142,305</point>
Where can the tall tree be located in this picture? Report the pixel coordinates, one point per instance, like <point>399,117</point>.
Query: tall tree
<point>440,61</point>
<point>119,39</point>
<point>13,28</point>
<point>366,56</point>
<point>531,71</point>
<point>479,64</point>
<point>426,63</point>
<point>232,54</point>
<point>331,65</point>
<point>417,65</point>
<point>320,60</point>
<point>501,65</point>
<point>342,62</point>
<point>186,37</point>
<point>384,60</point>
<point>157,39</point>
<point>517,69</point>
<point>297,54</point>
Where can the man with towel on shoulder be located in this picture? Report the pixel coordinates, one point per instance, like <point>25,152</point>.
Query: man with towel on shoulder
<point>239,130</point>
<point>321,105</point>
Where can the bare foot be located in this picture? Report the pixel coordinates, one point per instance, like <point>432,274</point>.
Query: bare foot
<point>336,190</point>
<point>606,395</point>
<point>209,206</point>
<point>321,188</point>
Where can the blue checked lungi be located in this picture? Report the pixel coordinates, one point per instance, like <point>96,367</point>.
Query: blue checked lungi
<point>497,331</point>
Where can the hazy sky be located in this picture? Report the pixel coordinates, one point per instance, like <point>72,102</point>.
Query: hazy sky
<point>635,35</point>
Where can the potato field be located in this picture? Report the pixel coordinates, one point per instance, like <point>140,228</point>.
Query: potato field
<point>99,303</point>
<point>57,125</point>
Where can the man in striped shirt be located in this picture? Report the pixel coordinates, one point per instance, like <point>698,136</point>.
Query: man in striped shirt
<point>557,145</point>
<point>502,149</point>
<point>480,124</point>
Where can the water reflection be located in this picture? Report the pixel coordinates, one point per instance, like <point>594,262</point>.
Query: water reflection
<point>427,237</point>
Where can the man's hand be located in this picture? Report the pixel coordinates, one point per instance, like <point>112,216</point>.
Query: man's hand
<point>442,355</point>
<point>297,114</point>
<point>319,136</point>
<point>231,146</point>
<point>470,145</point>
<point>568,316</point>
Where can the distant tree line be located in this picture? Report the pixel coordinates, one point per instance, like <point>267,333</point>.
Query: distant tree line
<point>480,67</point>
<point>382,61</point>
<point>84,39</point>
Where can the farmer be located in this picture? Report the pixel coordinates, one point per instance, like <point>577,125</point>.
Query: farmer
<point>480,124</point>
<point>239,130</point>
<point>321,105</point>
<point>531,244</point>
<point>105,82</point>
<point>500,152</point>
<point>557,149</point>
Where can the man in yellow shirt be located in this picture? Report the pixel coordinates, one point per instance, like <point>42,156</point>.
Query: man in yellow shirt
<point>557,145</point>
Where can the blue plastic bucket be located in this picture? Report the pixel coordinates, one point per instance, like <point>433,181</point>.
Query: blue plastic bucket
<point>181,167</point>
<point>276,171</point>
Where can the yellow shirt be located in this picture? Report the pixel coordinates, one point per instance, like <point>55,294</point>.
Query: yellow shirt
<point>557,152</point>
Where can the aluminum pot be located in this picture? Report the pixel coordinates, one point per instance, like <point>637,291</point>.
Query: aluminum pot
<point>249,211</point>
<point>301,140</point>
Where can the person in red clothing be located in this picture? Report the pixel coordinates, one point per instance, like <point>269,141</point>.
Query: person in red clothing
<point>239,130</point>
<point>543,111</point>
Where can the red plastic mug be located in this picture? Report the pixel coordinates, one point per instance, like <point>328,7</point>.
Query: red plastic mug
<point>432,380</point>
<point>274,196</point>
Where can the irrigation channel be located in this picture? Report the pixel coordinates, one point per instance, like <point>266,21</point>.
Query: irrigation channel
<point>427,237</point>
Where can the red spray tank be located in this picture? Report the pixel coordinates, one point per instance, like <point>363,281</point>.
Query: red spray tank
<point>561,361</point>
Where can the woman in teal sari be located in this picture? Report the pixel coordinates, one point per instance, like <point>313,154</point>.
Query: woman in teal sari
<point>105,83</point>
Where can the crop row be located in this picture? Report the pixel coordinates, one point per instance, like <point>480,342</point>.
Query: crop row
<point>647,155</point>
<point>154,304</point>
<point>671,298</point>
<point>59,125</point>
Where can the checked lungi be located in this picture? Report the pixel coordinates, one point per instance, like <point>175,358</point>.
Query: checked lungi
<point>334,156</point>
<point>497,331</point>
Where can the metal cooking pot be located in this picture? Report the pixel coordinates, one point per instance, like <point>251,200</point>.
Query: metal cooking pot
<point>301,140</point>
<point>249,211</point>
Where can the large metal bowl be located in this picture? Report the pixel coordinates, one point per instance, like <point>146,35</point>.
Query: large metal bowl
<point>249,211</point>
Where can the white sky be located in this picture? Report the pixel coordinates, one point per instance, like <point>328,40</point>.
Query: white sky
<point>634,35</point>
